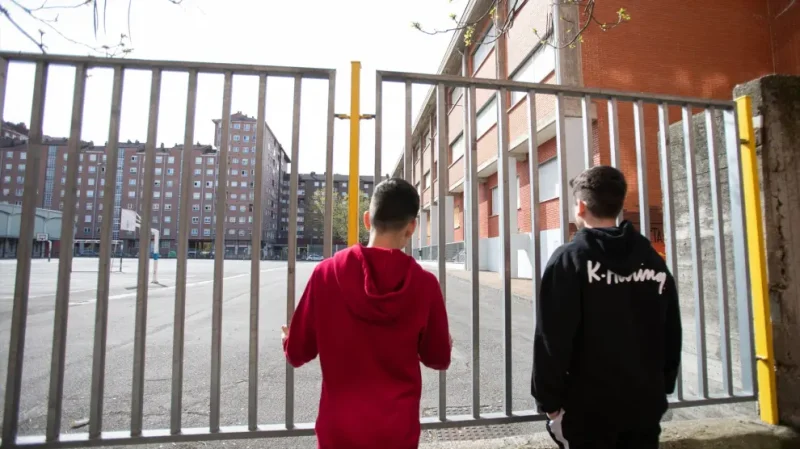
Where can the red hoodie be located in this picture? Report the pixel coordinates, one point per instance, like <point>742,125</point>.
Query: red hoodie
<point>372,315</point>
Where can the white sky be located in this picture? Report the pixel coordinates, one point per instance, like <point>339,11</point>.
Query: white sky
<point>314,33</point>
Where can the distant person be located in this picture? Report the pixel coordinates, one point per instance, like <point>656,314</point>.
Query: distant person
<point>372,314</point>
<point>607,346</point>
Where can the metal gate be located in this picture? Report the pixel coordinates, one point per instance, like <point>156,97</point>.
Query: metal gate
<point>736,378</point>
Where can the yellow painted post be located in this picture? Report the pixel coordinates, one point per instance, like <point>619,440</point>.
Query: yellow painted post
<point>353,219</point>
<point>762,324</point>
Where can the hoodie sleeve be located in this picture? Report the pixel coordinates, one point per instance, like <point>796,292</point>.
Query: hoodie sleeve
<point>300,346</point>
<point>557,318</point>
<point>673,339</point>
<point>434,344</point>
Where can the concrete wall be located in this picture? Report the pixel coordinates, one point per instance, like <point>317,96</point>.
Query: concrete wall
<point>776,100</point>
<point>684,272</point>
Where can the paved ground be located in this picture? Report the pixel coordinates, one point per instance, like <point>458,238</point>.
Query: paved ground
<point>235,350</point>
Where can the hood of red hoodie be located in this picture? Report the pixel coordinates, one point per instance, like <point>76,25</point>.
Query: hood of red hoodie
<point>375,282</point>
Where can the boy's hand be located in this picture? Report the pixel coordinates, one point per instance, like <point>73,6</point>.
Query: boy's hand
<point>284,333</point>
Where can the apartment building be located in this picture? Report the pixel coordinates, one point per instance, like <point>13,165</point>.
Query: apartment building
<point>166,214</point>
<point>658,51</point>
<point>310,231</point>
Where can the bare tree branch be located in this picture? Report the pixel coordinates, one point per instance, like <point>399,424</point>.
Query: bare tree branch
<point>42,15</point>
<point>547,38</point>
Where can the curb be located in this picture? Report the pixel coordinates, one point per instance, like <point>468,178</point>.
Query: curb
<point>700,434</point>
<point>484,286</point>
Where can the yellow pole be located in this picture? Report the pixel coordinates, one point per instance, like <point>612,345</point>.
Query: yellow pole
<point>355,120</point>
<point>762,324</point>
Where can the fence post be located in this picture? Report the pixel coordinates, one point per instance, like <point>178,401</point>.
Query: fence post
<point>765,360</point>
<point>355,134</point>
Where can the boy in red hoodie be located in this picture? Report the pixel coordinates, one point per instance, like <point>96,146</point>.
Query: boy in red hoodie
<point>372,314</point>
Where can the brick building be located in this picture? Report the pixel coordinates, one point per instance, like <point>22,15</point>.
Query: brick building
<point>129,189</point>
<point>658,51</point>
<point>310,230</point>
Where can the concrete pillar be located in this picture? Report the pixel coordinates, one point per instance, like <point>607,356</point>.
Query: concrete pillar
<point>449,211</point>
<point>422,233</point>
<point>434,223</point>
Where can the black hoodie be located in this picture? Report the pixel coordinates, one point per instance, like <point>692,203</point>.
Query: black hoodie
<point>608,330</point>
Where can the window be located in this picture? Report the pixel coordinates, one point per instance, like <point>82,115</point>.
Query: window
<point>156,194</point>
<point>210,160</point>
<point>237,126</point>
<point>246,150</point>
<point>207,208</point>
<point>457,217</point>
<point>234,196</point>
<point>89,206</point>
<point>245,161</point>
<point>487,117</point>
<point>535,69</point>
<point>244,173</point>
<point>92,157</point>
<point>194,232</point>
<point>495,201</point>
<point>171,160</point>
<point>87,219</point>
<point>233,208</point>
<point>455,94</point>
<point>195,207</point>
<point>155,219</point>
<point>170,171</point>
<point>198,172</point>
<point>232,219</point>
<point>168,207</point>
<point>207,220</point>
<point>133,158</point>
<point>166,233</point>
<point>167,218</point>
<point>208,195</point>
<point>158,171</point>
<point>232,231</point>
<point>63,180</point>
<point>236,138</point>
<point>168,194</point>
<point>206,232</point>
<point>159,159</point>
<point>132,182</point>
<point>427,181</point>
<point>209,184</point>
<point>198,160</point>
<point>196,195</point>
<point>247,138</point>
<point>235,149</point>
<point>247,127</point>
<point>486,45</point>
<point>132,194</point>
<point>8,179</point>
<point>133,170</point>
<point>90,193</point>
<point>156,206</point>
<point>233,171</point>
<point>195,220</point>
<point>209,172</point>
<point>21,167</point>
<point>548,180</point>
<point>196,184</point>
<point>169,183</point>
<point>457,148</point>
<point>87,230</point>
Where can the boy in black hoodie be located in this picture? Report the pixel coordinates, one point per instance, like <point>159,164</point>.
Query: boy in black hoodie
<point>607,346</point>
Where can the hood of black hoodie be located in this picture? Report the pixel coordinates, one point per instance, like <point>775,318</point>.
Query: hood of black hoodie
<point>622,248</point>
<point>375,282</point>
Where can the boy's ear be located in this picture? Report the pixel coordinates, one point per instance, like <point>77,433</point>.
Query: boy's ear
<point>367,222</point>
<point>412,226</point>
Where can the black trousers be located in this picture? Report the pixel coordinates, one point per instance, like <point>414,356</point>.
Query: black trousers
<point>574,436</point>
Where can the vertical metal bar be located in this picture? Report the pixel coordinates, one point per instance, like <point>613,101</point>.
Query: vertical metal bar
<point>58,360</point>
<point>561,149</point>
<point>719,255</point>
<point>327,250</point>
<point>408,163</point>
<point>471,198</point>
<point>697,261</point>
<point>19,314</point>
<point>219,255</point>
<point>533,175</point>
<point>378,126</point>
<point>104,277</point>
<point>505,239</point>
<point>183,253</point>
<point>641,169</point>
<point>744,188</point>
<point>669,205</point>
<point>3,81</point>
<point>290,280</point>
<point>353,192</point>
<point>255,254</point>
<point>140,326</point>
<point>588,141</point>
<point>613,132</point>
<point>443,190</point>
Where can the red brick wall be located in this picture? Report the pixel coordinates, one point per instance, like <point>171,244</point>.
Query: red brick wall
<point>458,217</point>
<point>704,51</point>
<point>785,18</point>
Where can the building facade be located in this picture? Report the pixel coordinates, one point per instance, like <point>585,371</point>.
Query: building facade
<point>166,214</point>
<point>310,223</point>
<point>653,52</point>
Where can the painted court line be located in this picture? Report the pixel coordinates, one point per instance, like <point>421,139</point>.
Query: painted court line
<point>193,284</point>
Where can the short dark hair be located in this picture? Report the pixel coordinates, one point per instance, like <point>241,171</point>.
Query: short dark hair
<point>603,189</point>
<point>394,204</point>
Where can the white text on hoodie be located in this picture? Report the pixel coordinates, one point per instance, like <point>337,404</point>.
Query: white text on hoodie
<point>641,275</point>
